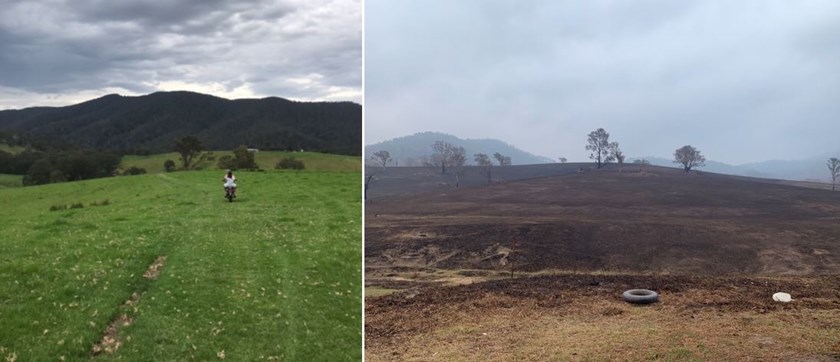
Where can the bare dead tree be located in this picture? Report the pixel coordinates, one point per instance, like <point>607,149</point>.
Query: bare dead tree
<point>485,164</point>
<point>617,155</point>
<point>382,157</point>
<point>368,181</point>
<point>689,157</point>
<point>833,165</point>
<point>445,155</point>
<point>502,159</point>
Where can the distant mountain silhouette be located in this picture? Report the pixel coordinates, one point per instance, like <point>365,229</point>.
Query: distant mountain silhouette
<point>152,123</point>
<point>809,169</point>
<point>408,150</point>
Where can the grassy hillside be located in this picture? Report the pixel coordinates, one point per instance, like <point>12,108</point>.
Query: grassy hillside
<point>265,159</point>
<point>274,275</point>
<point>7,181</point>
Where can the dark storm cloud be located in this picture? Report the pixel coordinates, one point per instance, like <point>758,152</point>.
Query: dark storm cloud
<point>744,81</point>
<point>63,51</point>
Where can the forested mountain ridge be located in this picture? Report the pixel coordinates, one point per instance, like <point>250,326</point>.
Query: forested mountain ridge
<point>151,123</point>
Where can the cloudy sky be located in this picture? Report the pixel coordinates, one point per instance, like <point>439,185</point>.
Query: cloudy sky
<point>742,81</point>
<point>59,52</point>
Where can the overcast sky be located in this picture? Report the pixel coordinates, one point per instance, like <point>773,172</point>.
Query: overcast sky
<point>59,52</point>
<point>742,81</point>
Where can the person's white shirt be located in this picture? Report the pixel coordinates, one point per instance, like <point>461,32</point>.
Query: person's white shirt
<point>230,181</point>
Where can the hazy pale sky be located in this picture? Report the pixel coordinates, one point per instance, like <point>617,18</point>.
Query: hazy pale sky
<point>59,52</point>
<point>742,81</point>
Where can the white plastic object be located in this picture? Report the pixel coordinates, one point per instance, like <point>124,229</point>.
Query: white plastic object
<point>782,297</point>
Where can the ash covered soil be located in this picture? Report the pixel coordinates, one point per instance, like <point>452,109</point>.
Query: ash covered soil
<point>716,247</point>
<point>663,221</point>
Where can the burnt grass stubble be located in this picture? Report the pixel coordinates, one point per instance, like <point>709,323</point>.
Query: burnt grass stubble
<point>738,240</point>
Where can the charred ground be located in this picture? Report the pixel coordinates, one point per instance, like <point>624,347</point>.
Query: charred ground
<point>663,221</point>
<point>713,244</point>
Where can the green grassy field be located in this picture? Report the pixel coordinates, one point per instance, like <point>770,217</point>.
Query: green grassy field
<point>275,275</point>
<point>5,147</point>
<point>7,181</point>
<point>265,159</point>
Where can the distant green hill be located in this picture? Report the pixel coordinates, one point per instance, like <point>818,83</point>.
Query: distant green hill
<point>152,122</point>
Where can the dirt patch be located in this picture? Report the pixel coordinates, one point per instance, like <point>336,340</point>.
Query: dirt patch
<point>110,343</point>
<point>612,311</point>
<point>132,300</point>
<point>154,270</point>
<point>570,317</point>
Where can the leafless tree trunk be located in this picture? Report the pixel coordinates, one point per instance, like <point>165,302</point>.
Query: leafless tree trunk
<point>483,162</point>
<point>616,154</point>
<point>446,155</point>
<point>382,157</point>
<point>367,183</point>
<point>833,165</point>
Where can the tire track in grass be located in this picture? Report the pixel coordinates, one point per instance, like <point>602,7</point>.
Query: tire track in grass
<point>211,299</point>
<point>110,341</point>
<point>74,266</point>
<point>255,279</point>
<point>126,314</point>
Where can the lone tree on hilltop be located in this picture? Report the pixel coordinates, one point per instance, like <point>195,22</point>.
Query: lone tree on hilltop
<point>562,159</point>
<point>833,165</point>
<point>689,157</point>
<point>446,155</point>
<point>190,148</point>
<point>382,157</point>
<point>502,159</point>
<point>599,143</point>
<point>483,161</point>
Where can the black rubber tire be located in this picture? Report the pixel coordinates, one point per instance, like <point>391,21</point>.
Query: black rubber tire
<point>640,296</point>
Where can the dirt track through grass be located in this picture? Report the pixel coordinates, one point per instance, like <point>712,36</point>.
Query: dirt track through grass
<point>110,341</point>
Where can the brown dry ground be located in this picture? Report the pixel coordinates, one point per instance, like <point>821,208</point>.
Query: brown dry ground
<point>715,247</point>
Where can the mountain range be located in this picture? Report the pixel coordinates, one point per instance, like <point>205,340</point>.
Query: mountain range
<point>808,169</point>
<point>151,123</point>
<point>409,150</point>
